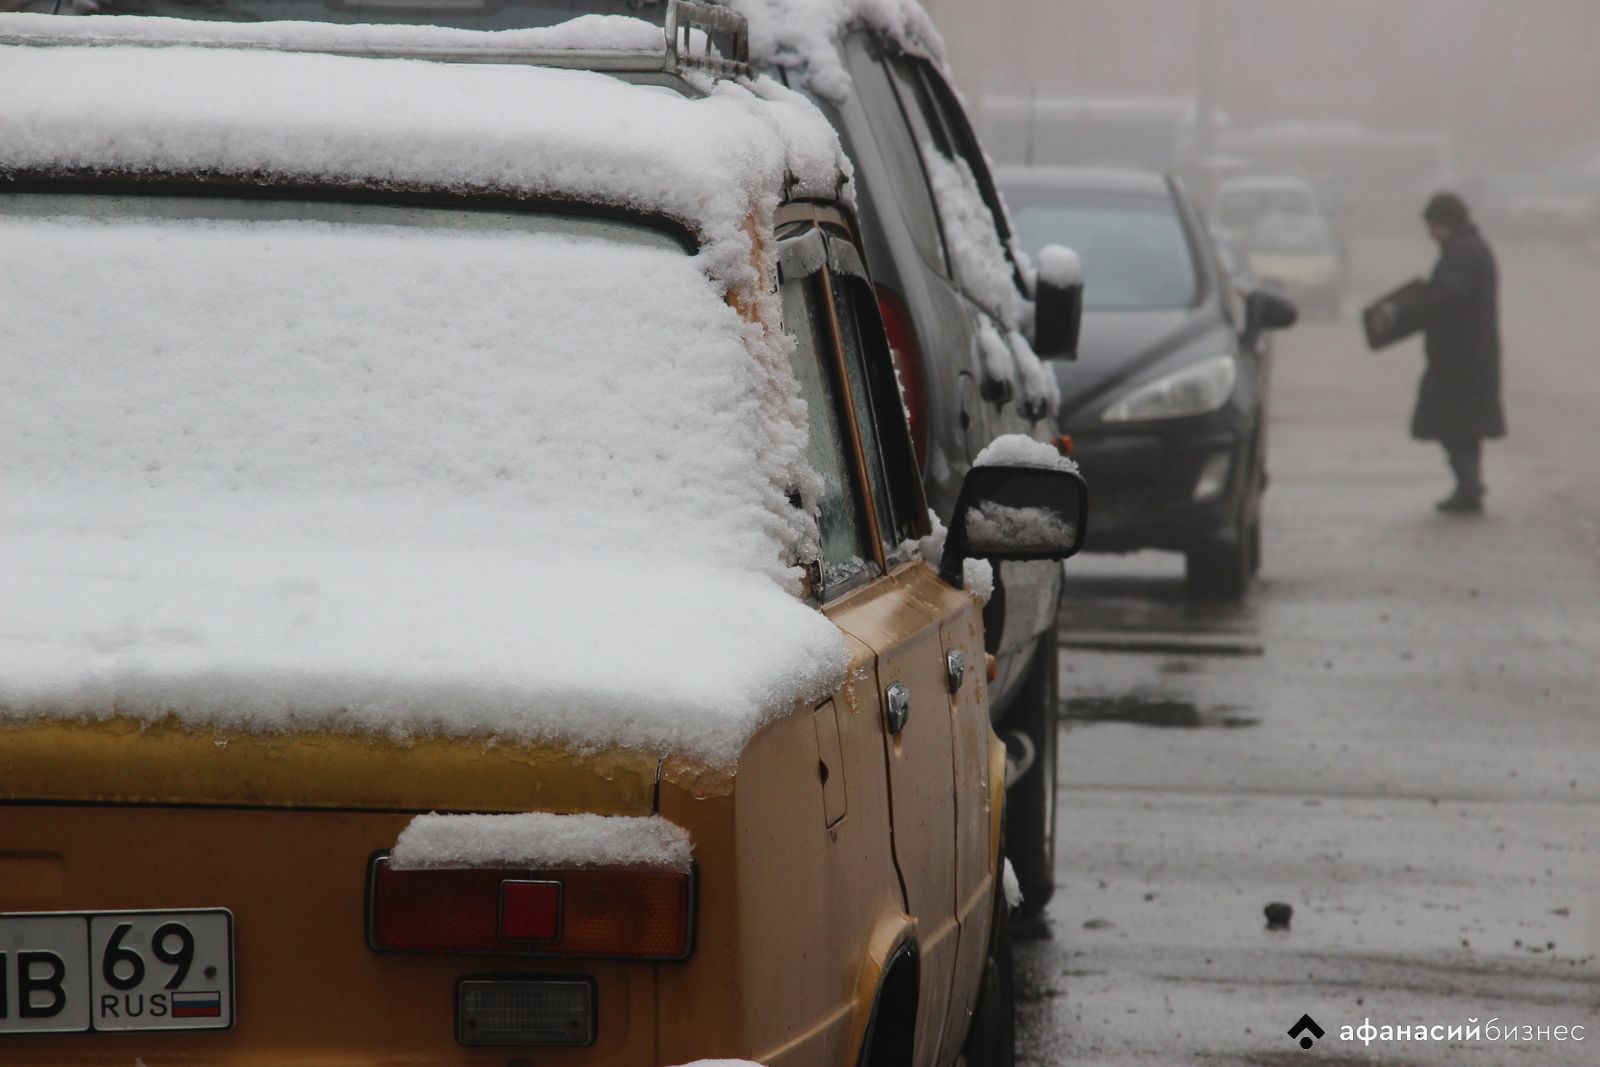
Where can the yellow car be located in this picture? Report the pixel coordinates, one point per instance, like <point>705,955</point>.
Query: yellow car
<point>468,594</point>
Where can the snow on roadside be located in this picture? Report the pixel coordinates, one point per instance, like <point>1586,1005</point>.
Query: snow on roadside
<point>542,841</point>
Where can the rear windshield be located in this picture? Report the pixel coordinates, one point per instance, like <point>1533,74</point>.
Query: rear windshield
<point>244,349</point>
<point>1135,251</point>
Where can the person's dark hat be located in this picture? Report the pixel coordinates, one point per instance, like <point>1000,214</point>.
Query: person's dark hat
<point>1446,209</point>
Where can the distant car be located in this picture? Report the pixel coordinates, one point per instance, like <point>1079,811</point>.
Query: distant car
<point>1558,202</point>
<point>1167,402</point>
<point>469,595</point>
<point>1289,238</point>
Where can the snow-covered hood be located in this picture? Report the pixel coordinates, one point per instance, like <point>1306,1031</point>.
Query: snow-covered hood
<point>707,162</point>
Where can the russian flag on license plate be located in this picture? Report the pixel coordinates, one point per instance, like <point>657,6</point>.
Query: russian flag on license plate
<point>206,1004</point>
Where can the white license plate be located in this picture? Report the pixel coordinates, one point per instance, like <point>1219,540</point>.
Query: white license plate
<point>116,970</point>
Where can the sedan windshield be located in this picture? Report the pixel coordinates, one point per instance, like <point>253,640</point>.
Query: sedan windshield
<point>1135,252</point>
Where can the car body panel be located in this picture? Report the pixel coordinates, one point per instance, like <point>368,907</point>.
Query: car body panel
<point>947,321</point>
<point>132,762</point>
<point>799,903</point>
<point>789,963</point>
<point>308,990</point>
<point>806,886</point>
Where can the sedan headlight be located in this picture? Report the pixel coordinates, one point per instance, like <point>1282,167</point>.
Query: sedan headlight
<point>1192,390</point>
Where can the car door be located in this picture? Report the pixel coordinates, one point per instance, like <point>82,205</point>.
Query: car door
<point>933,734</point>
<point>982,260</point>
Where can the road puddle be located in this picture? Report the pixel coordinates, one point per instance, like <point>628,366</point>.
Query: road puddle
<point>1160,712</point>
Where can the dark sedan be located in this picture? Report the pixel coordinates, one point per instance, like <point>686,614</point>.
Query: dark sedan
<point>1166,403</point>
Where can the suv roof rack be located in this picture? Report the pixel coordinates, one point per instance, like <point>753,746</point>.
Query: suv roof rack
<point>696,38</point>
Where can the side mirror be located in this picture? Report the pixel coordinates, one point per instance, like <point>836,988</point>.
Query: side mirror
<point>1013,511</point>
<point>1267,310</point>
<point>1058,303</point>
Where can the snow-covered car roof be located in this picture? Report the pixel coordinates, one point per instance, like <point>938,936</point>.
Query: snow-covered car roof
<point>804,35</point>
<point>286,463</point>
<point>307,116</point>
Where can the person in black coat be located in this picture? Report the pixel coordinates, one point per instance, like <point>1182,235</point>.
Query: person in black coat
<point>1458,402</point>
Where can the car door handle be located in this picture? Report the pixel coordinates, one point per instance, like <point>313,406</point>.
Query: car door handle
<point>955,669</point>
<point>899,701</point>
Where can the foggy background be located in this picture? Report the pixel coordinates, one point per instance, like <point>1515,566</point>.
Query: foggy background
<point>1375,99</point>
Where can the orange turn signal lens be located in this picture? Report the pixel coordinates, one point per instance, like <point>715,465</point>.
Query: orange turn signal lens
<point>1064,444</point>
<point>641,914</point>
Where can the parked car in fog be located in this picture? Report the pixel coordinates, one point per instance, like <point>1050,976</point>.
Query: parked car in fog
<point>963,318</point>
<point>961,313</point>
<point>527,625</point>
<point>1559,201</point>
<point>1167,402</point>
<point>1288,236</point>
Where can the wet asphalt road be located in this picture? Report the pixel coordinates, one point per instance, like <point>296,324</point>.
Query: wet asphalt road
<point>1397,734</point>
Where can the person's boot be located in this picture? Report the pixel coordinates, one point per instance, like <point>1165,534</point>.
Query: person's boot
<point>1463,501</point>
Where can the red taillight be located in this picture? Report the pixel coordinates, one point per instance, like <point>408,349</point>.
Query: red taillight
<point>632,914</point>
<point>907,355</point>
<point>530,911</point>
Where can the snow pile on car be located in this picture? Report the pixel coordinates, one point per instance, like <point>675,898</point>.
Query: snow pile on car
<point>998,526</point>
<point>585,33</point>
<point>1017,450</point>
<point>377,469</point>
<point>804,35</point>
<point>542,841</point>
<point>977,575</point>
<point>305,116</point>
<point>969,229</point>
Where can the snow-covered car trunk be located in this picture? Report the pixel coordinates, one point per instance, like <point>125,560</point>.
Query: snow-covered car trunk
<point>283,465</point>
<point>323,515</point>
<point>417,644</point>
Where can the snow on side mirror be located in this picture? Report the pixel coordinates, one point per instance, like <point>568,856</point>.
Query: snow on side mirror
<point>1022,500</point>
<point>1058,303</point>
